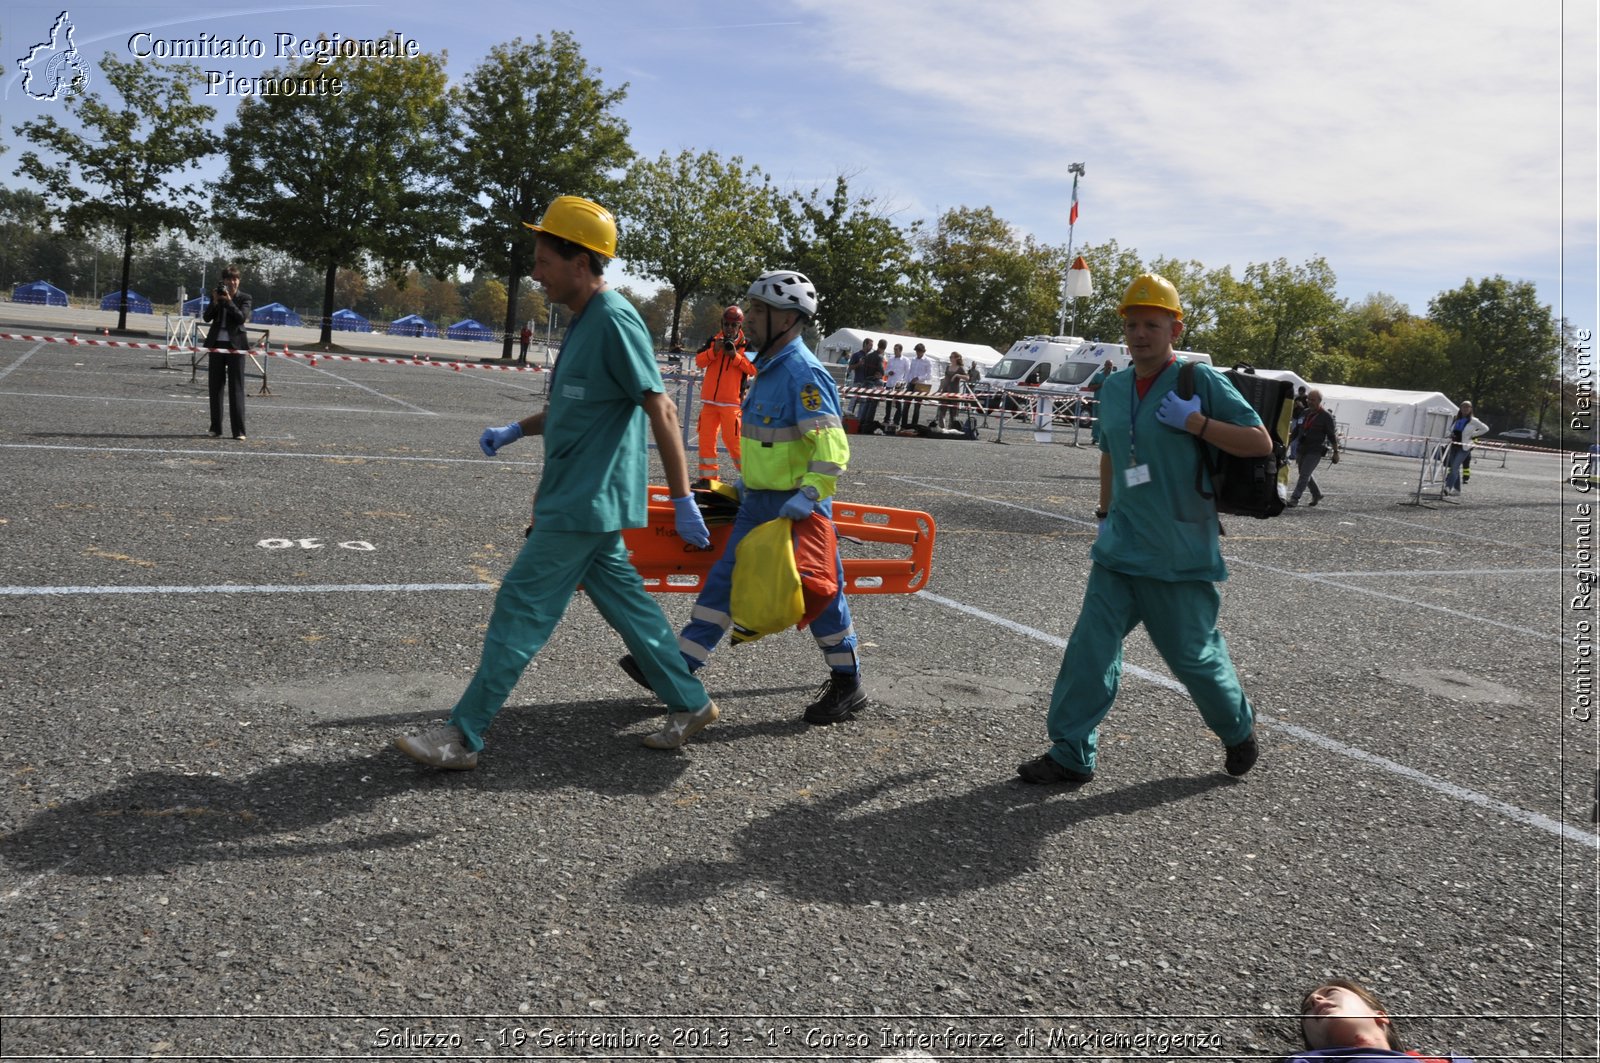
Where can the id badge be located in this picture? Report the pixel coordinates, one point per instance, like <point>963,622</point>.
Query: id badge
<point>1135,475</point>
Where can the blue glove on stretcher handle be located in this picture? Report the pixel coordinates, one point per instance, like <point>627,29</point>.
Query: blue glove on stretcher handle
<point>690,524</point>
<point>495,438</point>
<point>1174,412</point>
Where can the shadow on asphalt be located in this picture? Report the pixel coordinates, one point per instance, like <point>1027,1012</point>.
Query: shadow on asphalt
<point>158,820</point>
<point>850,849</point>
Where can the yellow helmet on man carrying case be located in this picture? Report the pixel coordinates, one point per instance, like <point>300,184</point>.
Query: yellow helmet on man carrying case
<point>582,221</point>
<point>1151,289</point>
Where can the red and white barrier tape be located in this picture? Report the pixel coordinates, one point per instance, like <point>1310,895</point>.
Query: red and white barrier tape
<point>309,359</point>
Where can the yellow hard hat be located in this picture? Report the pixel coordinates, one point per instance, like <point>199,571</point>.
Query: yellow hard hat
<point>1151,289</point>
<point>584,222</point>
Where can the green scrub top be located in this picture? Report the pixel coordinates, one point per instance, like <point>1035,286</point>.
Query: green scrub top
<point>1163,529</point>
<point>595,460</point>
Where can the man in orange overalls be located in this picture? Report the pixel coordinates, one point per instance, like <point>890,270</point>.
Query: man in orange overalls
<point>726,367</point>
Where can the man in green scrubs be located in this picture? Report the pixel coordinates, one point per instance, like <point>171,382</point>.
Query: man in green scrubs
<point>604,387</point>
<point>1156,558</point>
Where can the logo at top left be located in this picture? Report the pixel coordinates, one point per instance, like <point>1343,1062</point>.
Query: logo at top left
<point>55,68</point>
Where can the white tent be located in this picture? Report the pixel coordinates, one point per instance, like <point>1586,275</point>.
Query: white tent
<point>1386,421</point>
<point>840,345</point>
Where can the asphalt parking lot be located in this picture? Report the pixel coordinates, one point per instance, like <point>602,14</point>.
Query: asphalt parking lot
<point>208,848</point>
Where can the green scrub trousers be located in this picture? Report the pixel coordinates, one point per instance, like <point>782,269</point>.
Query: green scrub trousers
<point>531,600</point>
<point>1181,619</point>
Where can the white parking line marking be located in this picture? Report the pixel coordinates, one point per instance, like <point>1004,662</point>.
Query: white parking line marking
<point>235,452</point>
<point>1354,589</point>
<point>260,588</point>
<point>26,355</point>
<point>1309,577</point>
<point>199,400</point>
<point>371,391</point>
<point>1445,572</point>
<point>1462,535</point>
<point>1450,789</point>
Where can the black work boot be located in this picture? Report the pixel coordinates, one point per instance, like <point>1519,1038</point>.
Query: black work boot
<point>837,699</point>
<point>1241,757</point>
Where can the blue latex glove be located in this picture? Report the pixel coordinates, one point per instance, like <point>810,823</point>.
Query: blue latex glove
<point>690,524</point>
<point>495,438</point>
<point>799,507</point>
<point>1099,526</point>
<point>1174,412</point>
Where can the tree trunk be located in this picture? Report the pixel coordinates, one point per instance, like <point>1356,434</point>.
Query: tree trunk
<point>513,285</point>
<point>677,314</point>
<point>325,337</point>
<point>127,268</point>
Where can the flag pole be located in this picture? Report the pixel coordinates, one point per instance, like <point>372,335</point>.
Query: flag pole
<point>1076,169</point>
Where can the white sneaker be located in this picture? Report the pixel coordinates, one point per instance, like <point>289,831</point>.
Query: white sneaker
<point>440,746</point>
<point>681,726</point>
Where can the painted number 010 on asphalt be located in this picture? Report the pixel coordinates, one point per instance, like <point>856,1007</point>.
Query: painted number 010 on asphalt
<point>312,544</point>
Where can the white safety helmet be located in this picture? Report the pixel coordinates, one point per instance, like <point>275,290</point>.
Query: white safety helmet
<point>786,290</point>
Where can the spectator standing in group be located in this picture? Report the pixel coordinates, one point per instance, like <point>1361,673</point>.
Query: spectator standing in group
<point>797,451</point>
<point>721,389</point>
<point>1156,557</point>
<point>919,379</point>
<point>955,374</point>
<point>228,312</point>
<point>1464,430</point>
<point>866,371</point>
<point>604,389</point>
<point>1316,436</point>
<point>895,378</point>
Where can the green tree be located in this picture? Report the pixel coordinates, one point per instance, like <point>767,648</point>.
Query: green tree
<point>124,171</point>
<point>532,308</point>
<point>698,223</point>
<point>489,303</point>
<point>978,280</point>
<point>441,301</point>
<point>1504,344</point>
<point>538,123</point>
<point>1290,308</point>
<point>1411,355</point>
<point>855,255</point>
<point>346,179</point>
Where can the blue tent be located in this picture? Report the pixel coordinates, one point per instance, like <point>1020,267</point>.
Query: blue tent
<point>468,329</point>
<point>42,292</point>
<point>350,321</point>
<point>412,325</point>
<point>274,314</point>
<point>196,307</point>
<point>137,304</point>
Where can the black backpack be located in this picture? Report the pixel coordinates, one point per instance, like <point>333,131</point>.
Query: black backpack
<point>1246,487</point>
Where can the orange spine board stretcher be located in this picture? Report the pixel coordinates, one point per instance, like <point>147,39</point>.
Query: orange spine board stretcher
<point>668,564</point>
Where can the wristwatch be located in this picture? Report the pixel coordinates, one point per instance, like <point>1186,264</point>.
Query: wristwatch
<point>1100,514</point>
<point>810,492</point>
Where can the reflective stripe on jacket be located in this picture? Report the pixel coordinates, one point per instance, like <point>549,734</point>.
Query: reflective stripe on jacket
<point>793,434</point>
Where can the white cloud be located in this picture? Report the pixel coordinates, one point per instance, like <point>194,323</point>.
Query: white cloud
<point>1414,136</point>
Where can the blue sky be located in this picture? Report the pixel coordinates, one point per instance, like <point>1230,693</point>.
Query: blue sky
<point>1413,145</point>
